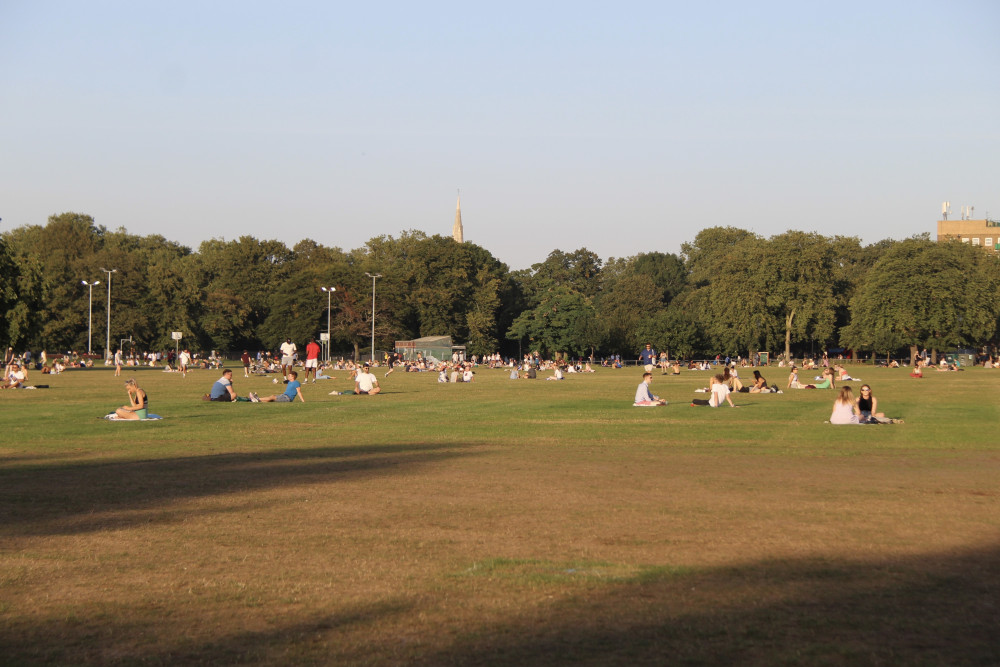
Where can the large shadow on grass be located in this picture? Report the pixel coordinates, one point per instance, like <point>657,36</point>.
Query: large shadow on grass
<point>933,609</point>
<point>69,498</point>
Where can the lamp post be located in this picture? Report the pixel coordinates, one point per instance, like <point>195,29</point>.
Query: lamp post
<point>107,342</point>
<point>373,277</point>
<point>329,293</point>
<point>90,311</point>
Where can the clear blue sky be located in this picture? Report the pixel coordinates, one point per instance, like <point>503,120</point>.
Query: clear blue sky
<point>621,127</point>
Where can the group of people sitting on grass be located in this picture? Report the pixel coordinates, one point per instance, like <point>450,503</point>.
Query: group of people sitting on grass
<point>846,408</point>
<point>459,372</point>
<point>825,381</point>
<point>365,384</point>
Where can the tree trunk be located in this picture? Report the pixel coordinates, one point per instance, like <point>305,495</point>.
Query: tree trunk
<point>788,335</point>
<point>357,352</point>
<point>914,351</point>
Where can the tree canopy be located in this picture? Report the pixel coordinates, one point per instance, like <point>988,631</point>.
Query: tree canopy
<point>730,291</point>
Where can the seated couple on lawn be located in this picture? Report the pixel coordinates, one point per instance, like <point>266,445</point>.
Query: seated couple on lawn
<point>222,391</point>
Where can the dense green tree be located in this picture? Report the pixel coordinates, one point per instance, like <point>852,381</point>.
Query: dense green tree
<point>800,272</point>
<point>238,278</point>
<point>561,323</point>
<point>666,270</point>
<point>623,306</point>
<point>712,251</point>
<point>481,318</point>
<point>925,294</point>
<point>52,261</point>
<point>733,291</point>
<point>579,271</point>
<point>14,314</point>
<point>674,330</point>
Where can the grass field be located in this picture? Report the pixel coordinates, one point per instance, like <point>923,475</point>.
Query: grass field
<point>500,523</point>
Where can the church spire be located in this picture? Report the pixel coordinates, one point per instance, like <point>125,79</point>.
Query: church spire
<point>456,231</point>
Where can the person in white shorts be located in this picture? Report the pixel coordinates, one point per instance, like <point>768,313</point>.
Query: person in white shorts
<point>288,351</point>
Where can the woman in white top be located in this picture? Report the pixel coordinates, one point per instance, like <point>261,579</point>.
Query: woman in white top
<point>845,409</point>
<point>720,393</point>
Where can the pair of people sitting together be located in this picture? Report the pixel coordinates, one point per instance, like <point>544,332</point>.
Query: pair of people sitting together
<point>223,391</point>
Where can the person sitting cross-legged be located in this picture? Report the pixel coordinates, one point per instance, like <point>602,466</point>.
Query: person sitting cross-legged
<point>643,396</point>
<point>15,377</point>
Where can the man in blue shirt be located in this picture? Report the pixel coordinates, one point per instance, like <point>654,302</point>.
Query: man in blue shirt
<point>293,389</point>
<point>222,390</point>
<point>643,396</point>
<point>647,357</point>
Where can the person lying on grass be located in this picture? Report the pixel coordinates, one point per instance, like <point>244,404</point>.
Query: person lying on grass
<point>292,389</point>
<point>643,396</point>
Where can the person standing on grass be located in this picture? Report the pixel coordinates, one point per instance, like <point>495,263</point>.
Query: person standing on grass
<point>312,359</point>
<point>288,351</point>
<point>647,357</point>
<point>118,362</point>
<point>293,389</point>
<point>644,397</point>
<point>246,363</point>
<point>183,359</point>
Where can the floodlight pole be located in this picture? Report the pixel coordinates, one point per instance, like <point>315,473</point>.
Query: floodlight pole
<point>107,343</point>
<point>373,277</point>
<point>329,293</point>
<point>90,312</point>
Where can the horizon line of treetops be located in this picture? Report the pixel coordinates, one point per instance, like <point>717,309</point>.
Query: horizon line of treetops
<point>729,291</point>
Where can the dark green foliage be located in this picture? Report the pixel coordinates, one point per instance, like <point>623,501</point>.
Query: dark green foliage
<point>731,291</point>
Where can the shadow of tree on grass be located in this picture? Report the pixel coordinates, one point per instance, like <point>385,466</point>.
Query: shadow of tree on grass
<point>72,498</point>
<point>931,609</point>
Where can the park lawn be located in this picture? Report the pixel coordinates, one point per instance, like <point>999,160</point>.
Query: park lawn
<point>499,522</point>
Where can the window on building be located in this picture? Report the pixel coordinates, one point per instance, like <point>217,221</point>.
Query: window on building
<point>965,239</point>
<point>989,242</point>
<point>975,241</point>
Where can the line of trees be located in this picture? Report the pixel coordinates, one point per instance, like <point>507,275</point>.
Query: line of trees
<point>729,291</point>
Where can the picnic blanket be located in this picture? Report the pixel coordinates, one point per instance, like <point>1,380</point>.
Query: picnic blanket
<point>116,418</point>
